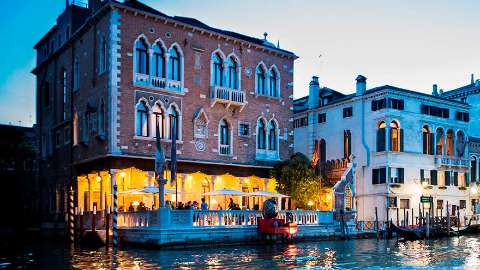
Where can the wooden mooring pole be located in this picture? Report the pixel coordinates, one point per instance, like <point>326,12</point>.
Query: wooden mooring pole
<point>107,223</point>
<point>115,212</point>
<point>448,219</point>
<point>376,223</point>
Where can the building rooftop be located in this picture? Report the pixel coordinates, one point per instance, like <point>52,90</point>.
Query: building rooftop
<point>196,23</point>
<point>301,104</point>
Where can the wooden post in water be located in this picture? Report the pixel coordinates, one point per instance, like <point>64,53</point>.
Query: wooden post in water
<point>405,215</point>
<point>94,221</point>
<point>413,220</point>
<point>448,219</point>
<point>428,225</point>
<point>80,231</point>
<point>458,218</point>
<point>107,223</point>
<point>398,218</point>
<point>376,223</point>
<point>407,222</point>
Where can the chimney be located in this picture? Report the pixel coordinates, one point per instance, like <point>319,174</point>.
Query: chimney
<point>472,79</point>
<point>435,90</point>
<point>313,93</point>
<point>441,92</point>
<point>361,85</point>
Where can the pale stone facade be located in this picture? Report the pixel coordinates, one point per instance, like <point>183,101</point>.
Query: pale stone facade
<point>405,145</point>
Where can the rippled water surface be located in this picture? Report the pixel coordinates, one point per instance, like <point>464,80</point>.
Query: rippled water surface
<point>453,253</point>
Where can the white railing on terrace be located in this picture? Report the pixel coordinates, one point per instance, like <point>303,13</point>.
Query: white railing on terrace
<point>157,82</point>
<point>136,219</point>
<point>224,94</point>
<point>224,150</point>
<point>218,218</point>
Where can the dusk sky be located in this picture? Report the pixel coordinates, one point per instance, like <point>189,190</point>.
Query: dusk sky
<point>410,44</point>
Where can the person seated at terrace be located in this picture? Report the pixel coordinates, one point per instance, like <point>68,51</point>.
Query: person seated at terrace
<point>204,205</point>
<point>189,205</point>
<point>194,205</point>
<point>141,207</point>
<point>180,206</point>
<point>231,204</point>
<point>131,208</point>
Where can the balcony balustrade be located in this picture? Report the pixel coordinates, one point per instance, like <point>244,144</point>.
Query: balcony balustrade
<point>146,80</point>
<point>225,150</point>
<point>264,154</point>
<point>451,161</point>
<point>228,96</point>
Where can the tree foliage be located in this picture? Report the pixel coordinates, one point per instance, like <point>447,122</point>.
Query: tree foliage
<point>296,178</point>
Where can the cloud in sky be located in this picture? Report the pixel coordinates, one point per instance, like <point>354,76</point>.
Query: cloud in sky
<point>17,97</point>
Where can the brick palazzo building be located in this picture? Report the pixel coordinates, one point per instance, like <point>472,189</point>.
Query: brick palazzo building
<point>107,72</point>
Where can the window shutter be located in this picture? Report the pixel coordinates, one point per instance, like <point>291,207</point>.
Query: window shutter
<point>455,179</point>
<point>401,173</point>
<point>390,139</point>
<point>401,105</point>
<point>383,175</point>
<point>374,105</point>
<point>389,175</point>
<point>432,143</point>
<point>447,178</point>
<point>401,140</point>
<point>425,142</point>
<point>433,177</point>
<point>422,175</point>
<point>375,176</point>
<point>349,144</point>
<point>467,179</point>
<point>380,140</point>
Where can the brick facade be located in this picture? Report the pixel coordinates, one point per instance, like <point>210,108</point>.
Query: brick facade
<point>77,38</point>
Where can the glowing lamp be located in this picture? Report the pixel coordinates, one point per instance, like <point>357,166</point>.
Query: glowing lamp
<point>189,178</point>
<point>424,184</point>
<point>474,190</point>
<point>213,201</point>
<point>310,203</point>
<point>99,178</point>
<point>122,174</point>
<point>135,203</point>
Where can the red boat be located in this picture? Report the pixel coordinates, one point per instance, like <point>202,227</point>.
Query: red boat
<point>273,227</point>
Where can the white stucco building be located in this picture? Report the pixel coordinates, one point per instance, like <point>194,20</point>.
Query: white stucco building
<point>404,144</point>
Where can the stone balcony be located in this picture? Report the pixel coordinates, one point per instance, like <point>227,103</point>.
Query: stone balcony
<point>264,154</point>
<point>449,161</point>
<point>228,97</point>
<point>159,83</point>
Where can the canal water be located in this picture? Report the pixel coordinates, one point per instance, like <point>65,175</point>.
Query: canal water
<point>454,253</point>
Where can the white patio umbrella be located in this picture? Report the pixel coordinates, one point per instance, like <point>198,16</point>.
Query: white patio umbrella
<point>146,190</point>
<point>264,193</point>
<point>225,192</point>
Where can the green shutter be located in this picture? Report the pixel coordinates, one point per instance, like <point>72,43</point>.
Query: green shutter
<point>467,179</point>
<point>422,175</point>
<point>375,176</point>
<point>401,140</point>
<point>401,175</point>
<point>432,143</point>
<point>455,179</point>
<point>383,175</point>
<point>425,142</point>
<point>433,177</point>
<point>447,178</point>
<point>380,140</point>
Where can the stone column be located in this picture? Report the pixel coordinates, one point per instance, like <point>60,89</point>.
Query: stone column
<point>387,136</point>
<point>167,70</point>
<point>444,150</point>
<point>90,194</point>
<point>455,154</point>
<point>182,189</point>
<point>102,195</point>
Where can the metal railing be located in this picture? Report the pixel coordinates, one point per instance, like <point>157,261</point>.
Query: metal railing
<point>146,80</point>
<point>227,95</point>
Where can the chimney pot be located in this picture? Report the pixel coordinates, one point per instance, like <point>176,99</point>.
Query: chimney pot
<point>361,85</point>
<point>435,90</point>
<point>313,93</point>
